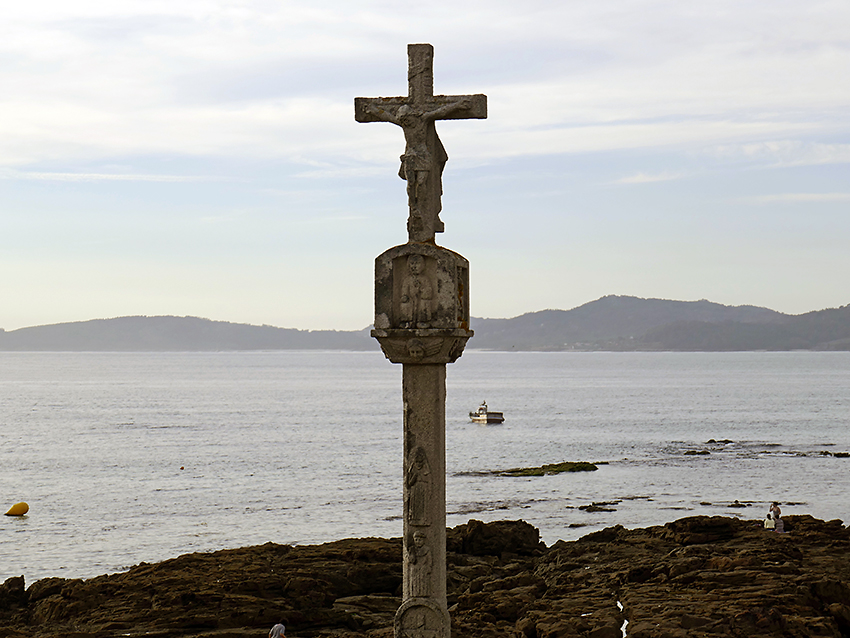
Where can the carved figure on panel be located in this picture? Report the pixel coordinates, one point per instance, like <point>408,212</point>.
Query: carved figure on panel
<point>417,295</point>
<point>420,560</point>
<point>418,483</point>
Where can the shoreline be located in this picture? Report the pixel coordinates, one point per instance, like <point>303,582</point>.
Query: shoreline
<point>698,575</point>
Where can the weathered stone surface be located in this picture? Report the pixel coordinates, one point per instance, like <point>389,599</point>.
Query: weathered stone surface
<point>750,582</point>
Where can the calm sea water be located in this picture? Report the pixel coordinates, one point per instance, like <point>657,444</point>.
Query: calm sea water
<point>126,458</point>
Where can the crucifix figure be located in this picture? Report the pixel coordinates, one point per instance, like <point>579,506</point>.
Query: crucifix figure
<point>424,155</point>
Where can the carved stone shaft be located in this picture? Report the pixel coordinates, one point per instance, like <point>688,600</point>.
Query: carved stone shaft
<point>424,612</point>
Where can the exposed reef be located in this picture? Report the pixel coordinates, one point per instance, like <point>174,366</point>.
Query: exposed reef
<point>551,468</point>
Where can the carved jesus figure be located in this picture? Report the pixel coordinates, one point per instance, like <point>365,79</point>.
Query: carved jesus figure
<point>423,161</point>
<point>424,156</point>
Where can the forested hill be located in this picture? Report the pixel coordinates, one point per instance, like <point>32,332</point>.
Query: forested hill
<point>608,319</point>
<point>140,334</point>
<point>609,323</point>
<point>631,323</point>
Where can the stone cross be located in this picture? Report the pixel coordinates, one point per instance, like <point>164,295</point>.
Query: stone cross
<point>424,156</point>
<point>422,322</point>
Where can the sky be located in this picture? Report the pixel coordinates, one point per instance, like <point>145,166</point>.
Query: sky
<point>201,157</point>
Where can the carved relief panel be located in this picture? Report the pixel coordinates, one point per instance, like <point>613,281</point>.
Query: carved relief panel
<point>421,304</point>
<point>415,283</point>
<point>421,287</point>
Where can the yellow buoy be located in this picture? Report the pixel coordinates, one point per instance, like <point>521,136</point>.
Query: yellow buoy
<point>18,509</point>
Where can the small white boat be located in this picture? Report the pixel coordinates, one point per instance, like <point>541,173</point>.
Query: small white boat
<point>483,415</point>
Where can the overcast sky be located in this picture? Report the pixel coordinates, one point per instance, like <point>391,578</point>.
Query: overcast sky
<point>201,157</point>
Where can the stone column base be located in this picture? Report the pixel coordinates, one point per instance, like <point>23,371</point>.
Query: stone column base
<point>421,618</point>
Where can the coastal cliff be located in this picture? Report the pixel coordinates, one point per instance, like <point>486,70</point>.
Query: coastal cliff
<point>698,576</point>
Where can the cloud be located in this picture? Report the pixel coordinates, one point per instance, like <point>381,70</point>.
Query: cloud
<point>512,141</point>
<point>785,153</point>
<point>262,79</point>
<point>345,172</point>
<point>800,198</point>
<point>99,177</point>
<point>646,178</point>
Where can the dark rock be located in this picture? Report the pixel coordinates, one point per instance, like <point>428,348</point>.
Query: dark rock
<point>699,576</point>
<point>603,536</point>
<point>604,506</point>
<point>494,539</point>
<point>12,594</point>
<point>702,529</point>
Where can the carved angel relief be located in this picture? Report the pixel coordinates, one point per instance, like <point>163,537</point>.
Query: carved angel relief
<point>424,350</point>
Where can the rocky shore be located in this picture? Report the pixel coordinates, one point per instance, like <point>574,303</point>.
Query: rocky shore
<point>698,576</point>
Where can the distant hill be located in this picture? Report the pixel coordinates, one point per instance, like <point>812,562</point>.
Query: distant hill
<point>819,330</point>
<point>177,334</point>
<point>610,323</point>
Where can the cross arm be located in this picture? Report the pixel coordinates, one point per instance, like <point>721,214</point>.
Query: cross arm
<point>437,107</point>
<point>377,109</point>
<point>459,107</point>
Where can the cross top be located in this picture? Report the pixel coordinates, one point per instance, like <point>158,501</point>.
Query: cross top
<point>420,73</point>
<point>424,156</point>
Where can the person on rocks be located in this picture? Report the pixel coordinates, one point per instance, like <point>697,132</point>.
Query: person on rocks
<point>278,631</point>
<point>778,523</point>
<point>768,522</point>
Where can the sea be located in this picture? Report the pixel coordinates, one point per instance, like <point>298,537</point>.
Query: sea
<point>138,457</point>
